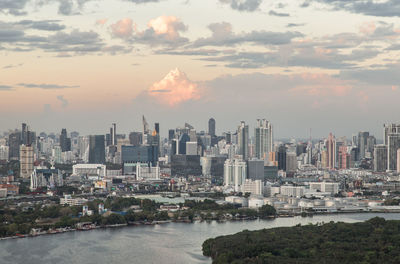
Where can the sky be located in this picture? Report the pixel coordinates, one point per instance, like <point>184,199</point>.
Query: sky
<point>324,65</point>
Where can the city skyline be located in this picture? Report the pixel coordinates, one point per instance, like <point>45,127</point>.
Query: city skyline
<point>296,64</point>
<point>252,127</point>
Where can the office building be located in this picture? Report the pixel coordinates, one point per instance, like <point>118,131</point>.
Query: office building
<point>143,154</point>
<point>329,187</point>
<point>26,160</point>
<point>146,172</point>
<point>263,139</point>
<point>390,129</point>
<point>380,158</point>
<point>4,153</point>
<point>243,140</point>
<point>331,151</point>
<point>362,144</point>
<point>97,149</point>
<point>255,169</point>
<point>393,140</point>
<point>14,141</point>
<point>65,142</point>
<point>211,127</point>
<point>135,138</point>
<point>185,165</point>
<point>254,187</point>
<point>235,172</point>
<point>282,157</point>
<point>181,146</point>
<point>98,170</point>
<point>292,191</point>
<point>171,135</point>
<point>291,162</point>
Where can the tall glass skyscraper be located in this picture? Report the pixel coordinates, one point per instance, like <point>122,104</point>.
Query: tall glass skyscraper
<point>97,153</point>
<point>263,138</point>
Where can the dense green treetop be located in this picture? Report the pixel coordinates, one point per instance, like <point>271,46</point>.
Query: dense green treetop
<point>373,241</point>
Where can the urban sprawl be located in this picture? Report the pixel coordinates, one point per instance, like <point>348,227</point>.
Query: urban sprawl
<point>190,169</point>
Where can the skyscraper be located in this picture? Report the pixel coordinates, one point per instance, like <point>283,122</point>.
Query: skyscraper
<point>235,172</point>
<point>14,140</point>
<point>97,149</point>
<point>263,138</point>
<point>282,157</point>
<point>26,161</point>
<point>389,129</point>
<point>113,134</point>
<point>182,144</point>
<point>211,127</point>
<point>380,158</point>
<point>243,140</point>
<point>24,134</point>
<point>393,140</point>
<point>171,134</point>
<point>362,144</point>
<point>331,149</point>
<point>135,138</point>
<point>65,142</point>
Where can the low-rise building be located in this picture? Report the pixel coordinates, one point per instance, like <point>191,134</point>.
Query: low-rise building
<point>68,200</point>
<point>11,188</point>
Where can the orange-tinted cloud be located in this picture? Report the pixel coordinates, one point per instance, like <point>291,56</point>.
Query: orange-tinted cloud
<point>123,28</point>
<point>368,28</point>
<point>322,85</point>
<point>174,89</point>
<point>167,26</point>
<point>101,21</point>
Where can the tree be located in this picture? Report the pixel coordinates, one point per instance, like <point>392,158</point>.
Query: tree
<point>266,210</point>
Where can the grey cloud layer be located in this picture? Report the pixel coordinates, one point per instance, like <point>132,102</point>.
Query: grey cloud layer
<point>222,35</point>
<point>13,7</point>
<point>46,86</point>
<point>19,39</point>
<point>243,5</point>
<point>388,8</point>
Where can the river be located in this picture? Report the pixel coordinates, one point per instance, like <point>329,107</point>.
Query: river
<point>168,243</point>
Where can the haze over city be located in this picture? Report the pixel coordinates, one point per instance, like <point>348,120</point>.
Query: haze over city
<point>325,65</point>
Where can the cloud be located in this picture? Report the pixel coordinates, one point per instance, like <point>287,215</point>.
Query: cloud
<point>13,66</point>
<point>123,28</point>
<point>385,8</point>
<point>321,85</point>
<point>294,25</point>
<point>143,1</point>
<point>161,31</point>
<point>386,76</point>
<point>5,87</point>
<point>274,13</point>
<point>169,26</point>
<point>243,5</point>
<point>71,7</point>
<point>64,102</point>
<point>101,21</point>
<point>46,25</point>
<point>222,35</point>
<point>13,7</point>
<point>46,86</point>
<point>174,89</point>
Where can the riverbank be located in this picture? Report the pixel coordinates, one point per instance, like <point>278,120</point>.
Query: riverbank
<point>91,226</point>
<point>170,243</point>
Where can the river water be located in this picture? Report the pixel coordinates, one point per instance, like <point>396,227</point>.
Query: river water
<point>168,243</point>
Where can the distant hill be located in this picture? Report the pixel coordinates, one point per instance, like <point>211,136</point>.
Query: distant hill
<point>373,241</point>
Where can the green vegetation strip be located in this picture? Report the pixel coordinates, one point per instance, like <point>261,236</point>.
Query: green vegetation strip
<point>373,241</point>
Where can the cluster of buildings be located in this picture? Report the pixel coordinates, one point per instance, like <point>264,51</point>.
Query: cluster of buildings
<point>241,161</point>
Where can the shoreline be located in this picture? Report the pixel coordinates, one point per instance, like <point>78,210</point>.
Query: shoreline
<point>143,223</point>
